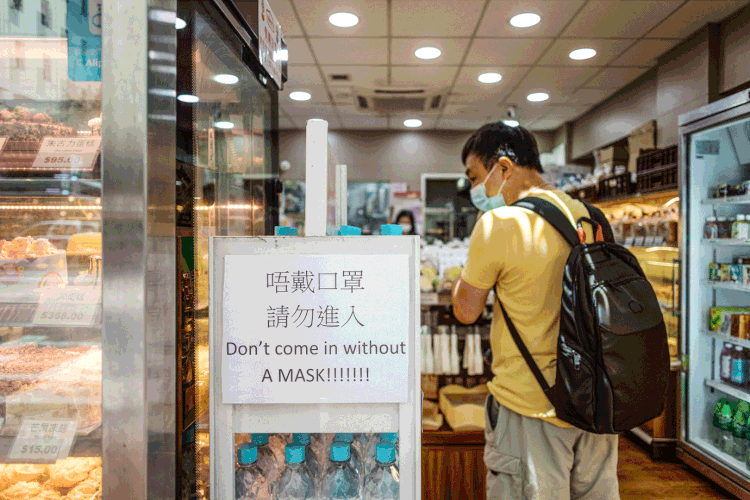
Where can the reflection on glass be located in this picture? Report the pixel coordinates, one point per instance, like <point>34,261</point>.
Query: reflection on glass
<point>50,249</point>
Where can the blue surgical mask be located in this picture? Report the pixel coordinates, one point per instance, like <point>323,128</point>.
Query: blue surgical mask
<point>483,202</point>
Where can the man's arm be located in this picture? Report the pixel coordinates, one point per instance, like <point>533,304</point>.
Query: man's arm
<point>468,301</point>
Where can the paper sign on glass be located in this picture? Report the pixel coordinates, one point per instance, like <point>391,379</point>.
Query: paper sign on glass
<point>67,153</point>
<point>67,307</point>
<point>43,441</point>
<point>315,329</point>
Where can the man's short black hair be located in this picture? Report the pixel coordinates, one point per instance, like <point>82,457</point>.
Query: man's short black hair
<point>495,140</point>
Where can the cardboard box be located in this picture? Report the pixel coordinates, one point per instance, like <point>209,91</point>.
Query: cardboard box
<point>612,156</point>
<point>642,138</point>
<point>717,316</point>
<point>725,272</point>
<point>735,274</point>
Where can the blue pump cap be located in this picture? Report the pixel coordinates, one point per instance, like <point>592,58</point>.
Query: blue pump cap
<point>294,453</point>
<point>259,439</point>
<point>293,231</point>
<point>282,230</point>
<point>247,453</point>
<point>350,231</point>
<point>303,439</point>
<point>344,437</point>
<point>389,437</point>
<point>391,230</point>
<point>340,452</point>
<point>385,453</point>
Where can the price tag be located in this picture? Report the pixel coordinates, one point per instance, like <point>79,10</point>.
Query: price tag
<point>43,441</point>
<point>430,299</point>
<point>3,140</point>
<point>638,242</point>
<point>629,241</point>
<point>649,241</point>
<point>67,307</point>
<point>71,153</point>
<point>659,241</point>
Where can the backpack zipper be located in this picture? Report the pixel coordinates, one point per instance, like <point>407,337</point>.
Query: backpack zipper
<point>569,352</point>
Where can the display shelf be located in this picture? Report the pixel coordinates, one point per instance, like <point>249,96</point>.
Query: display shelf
<point>728,285</point>
<point>437,299</point>
<point>728,459</point>
<point>728,200</point>
<point>731,340</point>
<point>728,389</point>
<point>728,242</point>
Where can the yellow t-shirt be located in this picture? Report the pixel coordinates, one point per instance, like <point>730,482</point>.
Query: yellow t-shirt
<point>525,256</point>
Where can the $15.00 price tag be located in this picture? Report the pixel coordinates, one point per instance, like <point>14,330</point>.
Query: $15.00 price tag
<point>67,306</point>
<point>43,441</point>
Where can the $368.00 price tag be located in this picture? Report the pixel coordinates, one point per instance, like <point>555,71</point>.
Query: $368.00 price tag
<point>67,306</point>
<point>43,441</point>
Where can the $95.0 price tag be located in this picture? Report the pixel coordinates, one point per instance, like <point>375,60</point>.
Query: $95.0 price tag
<point>67,153</point>
<point>67,306</point>
<point>43,441</point>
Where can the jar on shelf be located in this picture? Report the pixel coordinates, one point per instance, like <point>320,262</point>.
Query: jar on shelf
<point>711,229</point>
<point>722,228</point>
<point>740,228</point>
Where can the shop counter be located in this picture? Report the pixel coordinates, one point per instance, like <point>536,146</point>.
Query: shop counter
<point>453,465</point>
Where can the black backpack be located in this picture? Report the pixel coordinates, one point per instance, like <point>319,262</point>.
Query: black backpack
<point>612,353</point>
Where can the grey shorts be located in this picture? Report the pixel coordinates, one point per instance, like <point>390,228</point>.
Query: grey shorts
<point>530,459</point>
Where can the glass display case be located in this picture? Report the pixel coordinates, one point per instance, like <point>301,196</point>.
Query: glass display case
<point>50,250</point>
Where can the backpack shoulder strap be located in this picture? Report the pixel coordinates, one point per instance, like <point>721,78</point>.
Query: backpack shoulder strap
<point>599,217</point>
<point>552,215</point>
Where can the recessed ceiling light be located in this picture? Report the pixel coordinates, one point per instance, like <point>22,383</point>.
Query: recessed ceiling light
<point>526,20</point>
<point>300,96</point>
<point>427,53</point>
<point>188,98</point>
<point>538,97</point>
<point>412,123</point>
<point>226,79</point>
<point>224,125</point>
<point>343,19</point>
<point>179,23</point>
<point>490,77</point>
<point>581,54</point>
<point>511,123</point>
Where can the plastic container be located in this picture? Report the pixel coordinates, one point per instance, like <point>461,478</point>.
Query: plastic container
<point>726,363</point>
<point>723,228</point>
<point>738,366</point>
<point>249,482</point>
<point>355,459</point>
<point>295,482</point>
<point>311,460</point>
<point>711,228</point>
<point>266,457</point>
<point>383,482</point>
<point>341,480</point>
<point>715,429</point>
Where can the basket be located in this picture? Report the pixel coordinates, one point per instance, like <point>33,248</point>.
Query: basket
<point>616,185</point>
<point>655,158</point>
<point>658,179</point>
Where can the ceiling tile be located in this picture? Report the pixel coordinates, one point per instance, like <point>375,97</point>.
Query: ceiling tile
<point>458,124</point>
<point>360,76</point>
<point>525,113</point>
<point>286,17</point>
<point>469,90</point>
<point>606,50</point>
<point>367,51</point>
<point>507,51</point>
<point>566,113</point>
<point>453,50</point>
<point>318,94</point>
<point>693,16</point>
<point>468,112</point>
<point>423,76</point>
<point>427,18</point>
<point>589,96</point>
<point>352,119</point>
<point>299,52</point>
<point>555,15</point>
<point>372,17</point>
<point>557,82</point>
<point>545,124</point>
<point>644,53</point>
<point>287,123</point>
<point>303,75</point>
<point>614,78</point>
<point>619,19</point>
<point>428,123</point>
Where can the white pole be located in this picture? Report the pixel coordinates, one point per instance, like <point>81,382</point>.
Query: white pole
<point>341,191</point>
<point>316,178</point>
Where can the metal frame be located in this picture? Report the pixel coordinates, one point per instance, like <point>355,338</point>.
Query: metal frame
<point>226,420</point>
<point>708,116</point>
<point>138,247</point>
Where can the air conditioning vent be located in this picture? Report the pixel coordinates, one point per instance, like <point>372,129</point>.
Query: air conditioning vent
<point>339,77</point>
<point>389,101</point>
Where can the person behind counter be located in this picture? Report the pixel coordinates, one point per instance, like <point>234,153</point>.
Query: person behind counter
<point>529,452</point>
<point>405,219</point>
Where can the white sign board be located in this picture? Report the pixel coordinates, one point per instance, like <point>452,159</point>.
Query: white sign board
<point>67,153</point>
<point>315,329</point>
<point>67,306</point>
<point>43,441</point>
<point>269,41</point>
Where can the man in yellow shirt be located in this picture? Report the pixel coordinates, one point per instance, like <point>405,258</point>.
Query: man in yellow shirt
<point>529,452</point>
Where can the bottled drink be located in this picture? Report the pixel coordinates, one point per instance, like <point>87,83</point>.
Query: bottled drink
<point>340,480</point>
<point>715,429</point>
<point>726,363</point>
<point>739,444</point>
<point>249,482</point>
<point>266,458</point>
<point>355,459</point>
<point>383,481</point>
<point>362,441</point>
<point>295,482</point>
<point>738,366</point>
<point>725,424</point>
<point>311,459</point>
<point>392,438</point>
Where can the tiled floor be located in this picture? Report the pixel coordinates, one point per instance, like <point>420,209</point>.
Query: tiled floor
<point>642,478</point>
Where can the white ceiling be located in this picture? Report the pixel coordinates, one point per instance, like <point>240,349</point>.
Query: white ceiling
<point>476,37</point>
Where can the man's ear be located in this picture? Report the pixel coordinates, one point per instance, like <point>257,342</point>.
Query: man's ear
<point>505,165</point>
